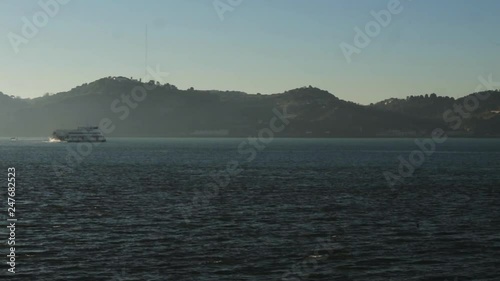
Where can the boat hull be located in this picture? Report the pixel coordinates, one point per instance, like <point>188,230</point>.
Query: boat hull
<point>85,140</point>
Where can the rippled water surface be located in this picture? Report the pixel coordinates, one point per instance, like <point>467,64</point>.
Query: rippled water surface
<point>197,209</point>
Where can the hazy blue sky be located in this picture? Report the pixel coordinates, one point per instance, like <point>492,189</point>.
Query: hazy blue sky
<point>265,46</point>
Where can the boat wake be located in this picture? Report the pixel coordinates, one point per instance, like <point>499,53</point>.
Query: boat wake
<point>53,140</point>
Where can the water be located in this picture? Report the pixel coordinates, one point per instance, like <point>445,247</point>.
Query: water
<point>303,209</point>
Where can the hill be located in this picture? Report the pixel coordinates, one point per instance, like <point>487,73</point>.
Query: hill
<point>167,111</point>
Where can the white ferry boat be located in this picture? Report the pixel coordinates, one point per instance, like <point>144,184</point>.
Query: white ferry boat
<point>82,134</point>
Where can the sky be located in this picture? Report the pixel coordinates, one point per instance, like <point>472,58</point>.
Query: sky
<point>255,46</point>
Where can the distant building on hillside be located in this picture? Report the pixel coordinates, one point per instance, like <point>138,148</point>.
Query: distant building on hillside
<point>210,133</point>
<point>120,78</point>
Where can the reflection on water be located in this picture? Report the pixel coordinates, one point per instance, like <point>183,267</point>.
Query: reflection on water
<point>119,214</point>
